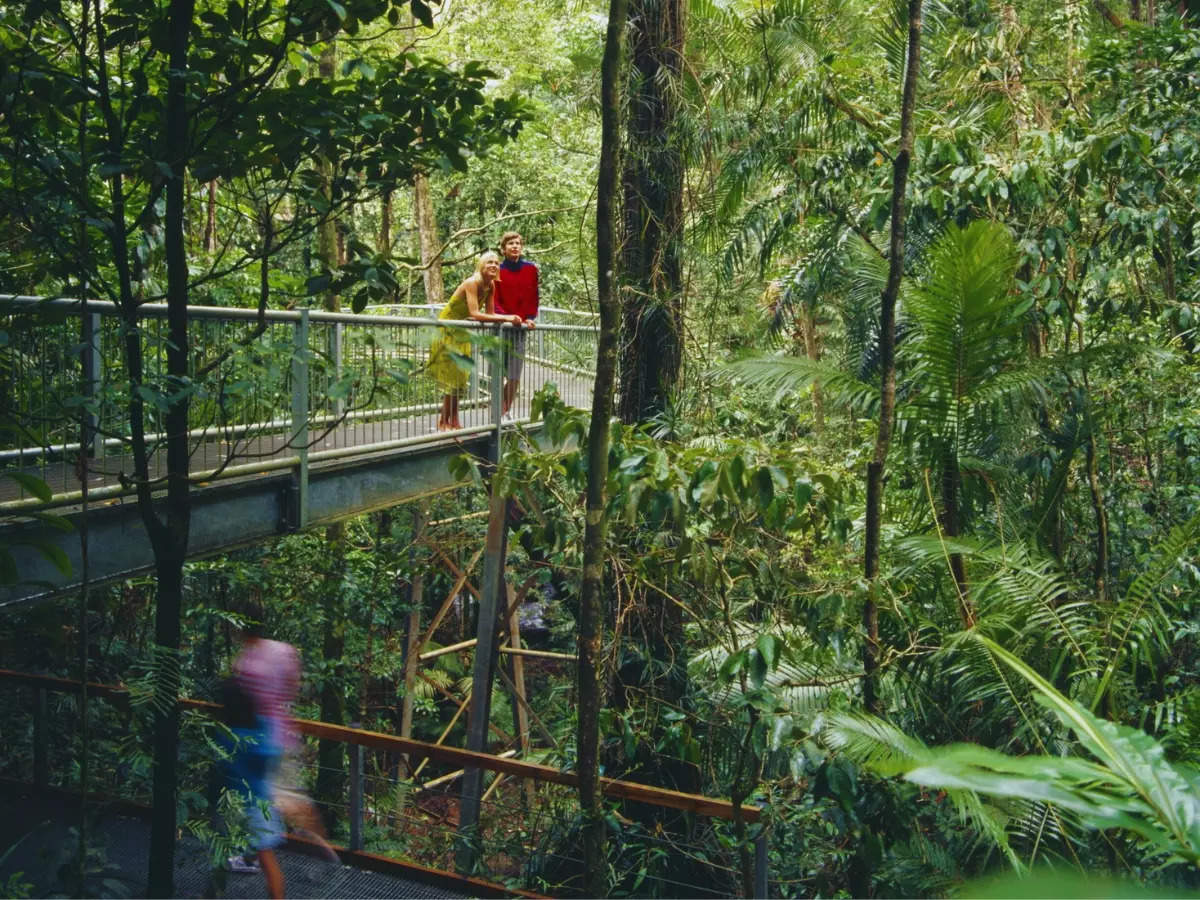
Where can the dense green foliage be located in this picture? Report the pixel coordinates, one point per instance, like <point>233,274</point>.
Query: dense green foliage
<point>1038,605</point>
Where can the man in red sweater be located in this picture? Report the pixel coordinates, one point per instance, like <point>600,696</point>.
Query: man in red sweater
<point>517,295</point>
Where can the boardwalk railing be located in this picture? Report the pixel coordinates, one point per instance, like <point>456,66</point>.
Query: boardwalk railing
<point>281,389</point>
<point>361,803</point>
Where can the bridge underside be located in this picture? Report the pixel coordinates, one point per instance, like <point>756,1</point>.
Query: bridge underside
<point>229,514</point>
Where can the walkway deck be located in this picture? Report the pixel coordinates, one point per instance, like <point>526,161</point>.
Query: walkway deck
<point>340,441</point>
<point>44,826</point>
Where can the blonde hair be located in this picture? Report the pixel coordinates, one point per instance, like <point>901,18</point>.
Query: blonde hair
<point>484,259</point>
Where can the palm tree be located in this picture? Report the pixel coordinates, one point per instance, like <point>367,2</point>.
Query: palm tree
<point>964,363</point>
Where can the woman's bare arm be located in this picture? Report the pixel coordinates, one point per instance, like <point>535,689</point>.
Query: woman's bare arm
<point>470,289</point>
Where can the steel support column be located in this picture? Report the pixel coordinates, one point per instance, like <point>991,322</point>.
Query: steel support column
<point>492,596</point>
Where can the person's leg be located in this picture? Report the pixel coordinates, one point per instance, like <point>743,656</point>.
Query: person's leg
<point>444,418</point>
<point>272,873</point>
<point>516,362</point>
<point>454,422</point>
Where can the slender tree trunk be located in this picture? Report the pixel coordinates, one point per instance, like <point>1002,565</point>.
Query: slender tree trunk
<point>427,235</point>
<point>951,523</point>
<point>170,543</point>
<point>330,782</point>
<point>652,295</point>
<point>812,349</point>
<point>210,218</point>
<point>887,361</point>
<point>385,223</point>
<point>591,612</point>
<point>1100,569</point>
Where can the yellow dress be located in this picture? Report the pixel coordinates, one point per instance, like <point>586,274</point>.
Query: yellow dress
<point>451,373</point>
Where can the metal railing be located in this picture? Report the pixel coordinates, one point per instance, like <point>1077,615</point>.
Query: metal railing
<point>547,315</point>
<point>381,810</point>
<point>281,390</point>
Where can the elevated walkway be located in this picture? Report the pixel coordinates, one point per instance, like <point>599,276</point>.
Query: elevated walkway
<point>296,418</point>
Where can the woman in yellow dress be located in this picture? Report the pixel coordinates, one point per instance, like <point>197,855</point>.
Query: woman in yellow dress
<point>473,299</point>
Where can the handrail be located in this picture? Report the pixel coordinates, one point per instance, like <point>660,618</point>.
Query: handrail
<point>160,310</point>
<point>612,787</point>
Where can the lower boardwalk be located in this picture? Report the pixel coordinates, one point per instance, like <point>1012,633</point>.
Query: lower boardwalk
<point>38,839</point>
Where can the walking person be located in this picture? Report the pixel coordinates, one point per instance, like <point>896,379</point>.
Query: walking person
<point>518,296</point>
<point>258,698</point>
<point>473,299</point>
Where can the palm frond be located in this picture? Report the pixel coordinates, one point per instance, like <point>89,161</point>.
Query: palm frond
<point>790,374</point>
<point>1136,619</point>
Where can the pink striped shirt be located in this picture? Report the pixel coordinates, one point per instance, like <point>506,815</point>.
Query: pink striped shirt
<point>270,673</point>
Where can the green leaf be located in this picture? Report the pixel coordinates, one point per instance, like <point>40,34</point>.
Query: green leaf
<point>734,663</point>
<point>54,554</point>
<point>421,12</point>
<point>758,668</point>
<point>32,484</point>
<point>769,646</point>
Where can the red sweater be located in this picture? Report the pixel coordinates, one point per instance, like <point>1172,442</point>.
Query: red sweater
<point>517,292</point>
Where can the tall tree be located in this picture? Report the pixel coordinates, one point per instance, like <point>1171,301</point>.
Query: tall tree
<point>591,603</point>
<point>427,236</point>
<point>652,213</point>
<point>887,360</point>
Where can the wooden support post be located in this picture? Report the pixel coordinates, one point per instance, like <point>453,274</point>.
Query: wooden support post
<point>495,547</point>
<point>412,647</point>
<point>529,709</point>
<point>459,581</point>
<point>41,764</point>
<point>520,699</point>
<point>445,731</point>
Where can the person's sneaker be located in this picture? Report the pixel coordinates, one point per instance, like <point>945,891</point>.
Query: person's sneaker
<point>507,419</point>
<point>240,864</point>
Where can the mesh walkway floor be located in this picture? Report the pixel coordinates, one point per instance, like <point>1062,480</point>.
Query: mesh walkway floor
<point>38,836</point>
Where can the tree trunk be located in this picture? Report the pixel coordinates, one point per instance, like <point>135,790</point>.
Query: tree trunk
<point>435,291</point>
<point>385,223</point>
<point>951,523</point>
<point>812,349</point>
<point>210,218</point>
<point>330,782</point>
<point>887,362</point>
<point>591,612</point>
<point>652,295</point>
<point>170,539</point>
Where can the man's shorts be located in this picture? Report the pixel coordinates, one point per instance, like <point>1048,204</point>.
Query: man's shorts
<point>515,351</point>
<point>263,822</point>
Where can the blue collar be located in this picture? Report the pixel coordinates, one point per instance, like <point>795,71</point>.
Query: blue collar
<point>512,266</point>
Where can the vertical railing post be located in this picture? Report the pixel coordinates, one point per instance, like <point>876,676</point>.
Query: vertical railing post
<point>299,442</point>
<point>496,386</point>
<point>761,885</point>
<point>93,444</point>
<point>337,338</point>
<point>473,387</point>
<point>41,762</point>
<point>356,793</point>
